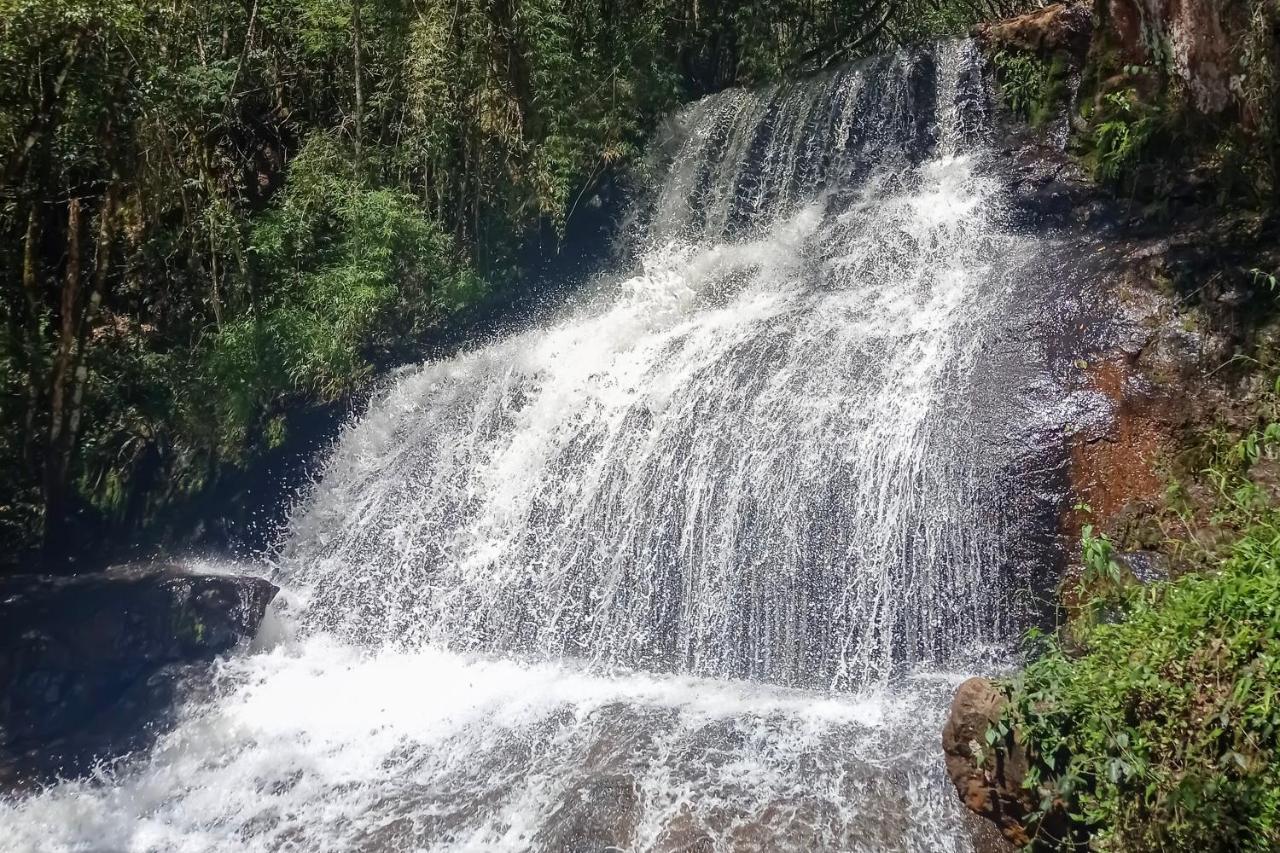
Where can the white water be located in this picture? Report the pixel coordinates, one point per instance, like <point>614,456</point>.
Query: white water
<point>691,567</point>
<point>326,747</point>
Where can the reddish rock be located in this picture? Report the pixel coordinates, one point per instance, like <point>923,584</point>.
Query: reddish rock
<point>992,789</point>
<point>1200,37</point>
<point>1200,40</point>
<point>1060,28</point>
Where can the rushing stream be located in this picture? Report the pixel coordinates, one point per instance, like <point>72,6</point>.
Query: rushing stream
<point>693,565</point>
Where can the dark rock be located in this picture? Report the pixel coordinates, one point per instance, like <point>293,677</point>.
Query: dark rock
<point>1201,37</point>
<point>1145,566</point>
<point>83,658</point>
<point>984,835</point>
<point>1047,189</point>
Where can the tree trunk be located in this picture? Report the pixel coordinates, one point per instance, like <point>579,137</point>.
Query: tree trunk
<point>358,70</point>
<point>31,289</point>
<point>55,473</point>
<point>214,297</point>
<point>101,264</point>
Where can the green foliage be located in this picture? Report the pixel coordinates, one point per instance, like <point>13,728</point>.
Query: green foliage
<point>1030,86</point>
<point>359,271</point>
<point>273,199</point>
<point>1122,130</point>
<point>1100,566</point>
<point>1162,732</point>
<point>1262,278</point>
<point>1148,125</point>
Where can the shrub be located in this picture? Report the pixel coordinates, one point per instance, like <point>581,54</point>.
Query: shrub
<point>1123,128</point>
<point>1160,731</point>
<point>356,272</point>
<point>1031,87</point>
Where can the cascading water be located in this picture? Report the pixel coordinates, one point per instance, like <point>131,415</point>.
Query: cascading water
<point>684,568</point>
<point>741,462</point>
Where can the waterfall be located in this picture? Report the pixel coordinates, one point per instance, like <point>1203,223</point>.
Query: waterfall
<point>747,459</point>
<point>692,564</point>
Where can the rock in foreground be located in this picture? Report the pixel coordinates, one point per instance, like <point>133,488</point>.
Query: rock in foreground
<point>87,662</point>
<point>988,780</point>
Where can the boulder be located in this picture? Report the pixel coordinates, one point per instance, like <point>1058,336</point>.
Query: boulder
<point>75,651</point>
<point>1060,28</point>
<point>990,787</point>
<point>990,778</point>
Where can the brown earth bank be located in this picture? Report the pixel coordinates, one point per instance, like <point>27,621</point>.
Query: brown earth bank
<point>1190,324</point>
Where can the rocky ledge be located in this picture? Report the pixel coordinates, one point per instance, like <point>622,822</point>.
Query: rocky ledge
<point>90,663</point>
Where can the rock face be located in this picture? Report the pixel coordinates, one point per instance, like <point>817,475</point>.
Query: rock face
<point>990,787</point>
<point>1172,301</point>
<point>85,660</point>
<point>1060,27</point>
<point>1178,303</point>
<point>1195,36</point>
<point>1201,39</point>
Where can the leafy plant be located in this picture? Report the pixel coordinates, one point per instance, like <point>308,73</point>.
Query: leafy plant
<point>1261,278</point>
<point>1031,87</point>
<point>361,271</point>
<point>1163,733</point>
<point>1099,563</point>
<point>1121,134</point>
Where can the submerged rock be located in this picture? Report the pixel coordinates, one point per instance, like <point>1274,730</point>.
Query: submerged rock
<point>86,662</point>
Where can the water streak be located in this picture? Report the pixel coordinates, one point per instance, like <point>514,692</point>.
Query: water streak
<point>742,461</point>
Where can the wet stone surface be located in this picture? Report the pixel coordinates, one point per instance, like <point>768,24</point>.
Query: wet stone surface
<point>88,663</point>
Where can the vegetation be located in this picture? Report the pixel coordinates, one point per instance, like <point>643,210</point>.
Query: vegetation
<point>1032,87</point>
<point>217,216</point>
<point>1144,129</point>
<point>1156,725</point>
<point>1160,106</point>
<point>1151,720</point>
<point>1122,131</point>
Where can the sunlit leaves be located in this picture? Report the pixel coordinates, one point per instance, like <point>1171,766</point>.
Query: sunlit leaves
<point>1161,731</point>
<point>356,269</point>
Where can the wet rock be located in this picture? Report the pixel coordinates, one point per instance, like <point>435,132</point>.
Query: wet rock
<point>599,813</point>
<point>84,660</point>
<point>1047,188</point>
<point>1117,470</point>
<point>985,836</point>
<point>990,787</point>
<point>1145,566</point>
